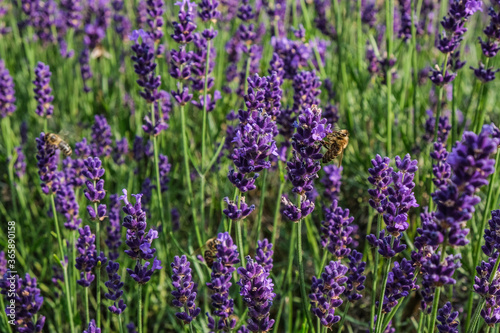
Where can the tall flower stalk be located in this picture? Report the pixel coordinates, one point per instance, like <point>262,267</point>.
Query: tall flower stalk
<point>47,166</point>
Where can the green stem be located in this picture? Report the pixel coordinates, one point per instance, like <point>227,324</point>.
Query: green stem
<point>380,317</point>
<point>65,267</point>
<point>165,226</point>
<point>98,266</point>
<point>120,323</point>
<point>278,204</point>
<point>304,296</point>
<point>240,242</point>
<point>261,206</point>
<point>87,311</point>
<point>480,111</point>
<point>421,322</point>
<point>389,12</point>
<point>375,278</point>
<point>204,132</point>
<point>4,316</point>
<point>139,310</point>
<point>476,316</point>
<point>341,324</point>
<point>188,176</point>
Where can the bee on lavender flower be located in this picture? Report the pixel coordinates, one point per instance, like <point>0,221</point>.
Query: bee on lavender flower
<point>211,251</point>
<point>335,143</point>
<point>56,140</point>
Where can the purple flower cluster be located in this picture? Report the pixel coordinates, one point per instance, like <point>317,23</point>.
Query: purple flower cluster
<point>448,321</point>
<point>222,270</point>
<point>87,257</point>
<point>380,178</point>
<point>484,74</point>
<point>43,91</point>
<point>401,280</point>
<point>257,293</point>
<point>164,168</point>
<point>7,98</point>
<point>294,213</point>
<point>20,162</point>
<point>113,231</point>
<point>101,137</point>
<point>185,289</point>
<point>145,65</point>
<point>26,299</point>
<point>120,151</point>
<point>114,285</point>
<point>355,278</point>
<point>66,202</point>
<point>326,292</point>
<point>332,182</point>
<point>254,137</point>
<point>121,22</point>
<point>47,158</point>
<point>437,273</point>
<point>94,192</point>
<point>264,254</point>
<point>138,241</point>
<point>294,54</point>
<point>490,46</point>
<point>92,328</point>
<point>471,165</point>
<point>336,231</point>
<point>237,213</point>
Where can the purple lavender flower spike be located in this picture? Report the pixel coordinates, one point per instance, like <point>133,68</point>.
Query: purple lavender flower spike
<point>66,202</point>
<point>355,278</point>
<point>295,214</point>
<point>164,167</point>
<point>185,290</point>
<point>264,254</point>
<point>86,259</point>
<point>484,74</point>
<point>113,231</point>
<point>7,98</point>
<point>138,241</point>
<point>92,328</point>
<point>120,151</point>
<point>94,192</point>
<point>222,269</point>
<point>448,321</point>
<point>183,30</point>
<point>114,285</point>
<point>257,292</point>
<point>336,231</point>
<point>142,14</point>
<point>20,162</point>
<point>73,12</point>
<point>380,177</point>
<point>234,213</point>
<point>26,299</point>
<point>43,91</point>
<point>144,65</point>
<point>401,280</point>
<point>332,182</point>
<point>3,263</point>
<point>326,291</point>
<point>47,158</point>
<point>386,247</point>
<point>101,137</point>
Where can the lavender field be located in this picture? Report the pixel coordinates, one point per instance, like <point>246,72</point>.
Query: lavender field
<point>249,166</point>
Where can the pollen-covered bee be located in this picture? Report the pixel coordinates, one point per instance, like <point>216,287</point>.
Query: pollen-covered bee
<point>335,143</point>
<point>211,251</point>
<point>56,140</point>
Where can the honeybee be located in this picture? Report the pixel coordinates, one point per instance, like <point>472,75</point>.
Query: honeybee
<point>211,251</point>
<point>335,143</point>
<point>56,140</point>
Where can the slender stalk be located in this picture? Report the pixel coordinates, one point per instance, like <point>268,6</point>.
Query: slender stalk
<point>421,322</point>
<point>479,117</point>
<point>435,302</point>
<point>98,267</point>
<point>341,324</point>
<point>87,311</point>
<point>139,310</point>
<point>165,226</point>
<point>304,296</point>
<point>486,213</point>
<point>120,323</point>
<point>65,267</point>
<point>204,131</point>
<point>389,12</point>
<point>476,316</point>
<point>375,277</point>
<point>240,242</point>
<point>261,206</point>
<point>380,317</point>
<point>278,204</point>
<point>4,316</point>
<point>188,176</point>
